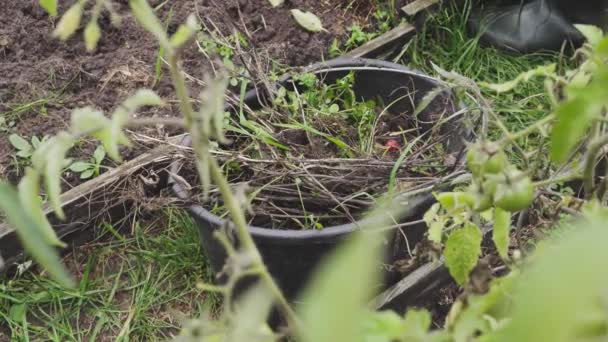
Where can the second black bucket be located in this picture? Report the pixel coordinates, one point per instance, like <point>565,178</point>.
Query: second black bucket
<point>292,255</point>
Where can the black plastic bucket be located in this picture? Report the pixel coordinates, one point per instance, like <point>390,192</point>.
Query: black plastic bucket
<point>292,255</point>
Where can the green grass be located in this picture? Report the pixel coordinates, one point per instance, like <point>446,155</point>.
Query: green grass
<point>446,42</point>
<point>130,288</point>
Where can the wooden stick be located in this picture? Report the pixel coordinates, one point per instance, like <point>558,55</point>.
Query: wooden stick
<point>384,44</point>
<point>414,8</point>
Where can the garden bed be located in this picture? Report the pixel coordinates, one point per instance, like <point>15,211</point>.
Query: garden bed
<point>99,80</point>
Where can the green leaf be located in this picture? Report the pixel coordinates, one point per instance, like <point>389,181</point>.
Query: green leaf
<point>251,312</point>
<point>33,242</point>
<point>114,136</point>
<point>50,6</point>
<point>24,154</point>
<point>500,234</point>
<point>388,326</point>
<point>383,326</point>
<point>87,174</point>
<point>99,154</point>
<point>472,320</point>
<point>332,312</point>
<point>80,166</point>
<point>146,17</point>
<point>427,100</point>
<point>17,313</point>
<point>35,141</point>
<point>574,118</point>
<point>392,178</point>
<point>334,108</point>
<point>29,191</point>
<point>69,22</point>
<point>593,34</point>
<point>92,34</point>
<point>87,120</point>
<point>19,143</point>
<point>455,200</point>
<point>308,20</point>
<point>49,159</point>
<point>416,324</point>
<point>276,3</point>
<point>462,251</point>
<point>328,311</point>
<point>543,70</point>
<point>185,32</point>
<point>435,224</point>
<point>557,296</point>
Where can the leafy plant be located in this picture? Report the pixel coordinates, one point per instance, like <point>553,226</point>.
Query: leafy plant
<point>91,168</point>
<point>6,126</point>
<point>25,149</point>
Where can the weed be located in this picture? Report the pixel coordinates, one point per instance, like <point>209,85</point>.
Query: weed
<point>92,167</point>
<point>25,149</point>
<point>6,125</point>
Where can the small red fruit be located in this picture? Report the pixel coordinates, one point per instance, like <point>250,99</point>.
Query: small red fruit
<point>392,145</point>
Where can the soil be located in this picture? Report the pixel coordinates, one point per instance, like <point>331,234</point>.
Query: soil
<point>43,78</point>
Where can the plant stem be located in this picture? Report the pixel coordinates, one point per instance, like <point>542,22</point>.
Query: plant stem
<point>511,137</point>
<point>238,217</point>
<point>550,181</point>
<point>179,83</point>
<point>232,205</point>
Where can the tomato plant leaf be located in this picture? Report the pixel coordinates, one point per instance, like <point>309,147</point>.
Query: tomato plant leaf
<point>308,20</point>
<point>559,295</point>
<point>92,34</point>
<point>88,120</point>
<point>328,311</point>
<point>593,34</point>
<point>29,190</point>
<point>185,32</point>
<point>389,326</point>
<point>69,22</point>
<point>146,18</point>
<point>49,160</point>
<point>455,200</point>
<point>416,325</point>
<point>462,250</point>
<point>500,233</point>
<point>30,236</point>
<point>114,136</point>
<point>50,6</point>
<point>573,119</point>
<point>468,321</point>
<point>251,312</point>
<point>326,300</point>
<point>543,70</point>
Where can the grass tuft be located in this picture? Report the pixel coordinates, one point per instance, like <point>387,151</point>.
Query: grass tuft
<point>138,287</point>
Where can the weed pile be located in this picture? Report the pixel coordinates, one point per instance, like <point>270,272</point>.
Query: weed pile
<point>318,155</point>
